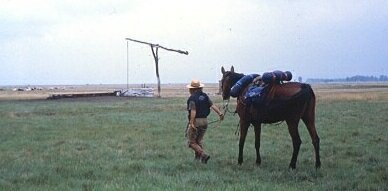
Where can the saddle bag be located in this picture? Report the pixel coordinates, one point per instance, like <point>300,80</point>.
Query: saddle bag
<point>255,95</point>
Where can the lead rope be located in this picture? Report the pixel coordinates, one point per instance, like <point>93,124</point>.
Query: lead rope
<point>226,110</point>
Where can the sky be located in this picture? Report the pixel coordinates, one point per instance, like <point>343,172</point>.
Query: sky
<point>46,42</point>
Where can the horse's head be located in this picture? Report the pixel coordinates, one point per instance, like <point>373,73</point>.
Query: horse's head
<point>227,82</point>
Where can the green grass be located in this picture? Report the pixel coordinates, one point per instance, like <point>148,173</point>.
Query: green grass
<point>139,144</point>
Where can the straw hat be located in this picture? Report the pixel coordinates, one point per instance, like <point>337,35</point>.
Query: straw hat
<point>195,84</point>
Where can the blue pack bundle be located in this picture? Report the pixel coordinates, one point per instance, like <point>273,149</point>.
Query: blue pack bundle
<point>243,82</point>
<point>255,94</point>
<point>276,76</point>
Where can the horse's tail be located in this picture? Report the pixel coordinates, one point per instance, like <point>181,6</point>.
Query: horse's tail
<point>309,111</point>
<point>308,118</point>
<point>310,99</point>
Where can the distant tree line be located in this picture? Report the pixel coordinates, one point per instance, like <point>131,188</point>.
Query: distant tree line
<point>357,78</point>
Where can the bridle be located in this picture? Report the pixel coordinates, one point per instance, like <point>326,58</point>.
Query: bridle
<point>225,106</point>
<point>226,101</point>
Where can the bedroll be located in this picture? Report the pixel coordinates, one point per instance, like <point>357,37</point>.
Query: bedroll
<point>242,83</point>
<point>276,77</point>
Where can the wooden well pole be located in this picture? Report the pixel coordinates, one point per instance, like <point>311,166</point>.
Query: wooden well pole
<point>154,49</point>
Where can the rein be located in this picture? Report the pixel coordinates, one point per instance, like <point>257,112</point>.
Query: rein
<point>226,110</point>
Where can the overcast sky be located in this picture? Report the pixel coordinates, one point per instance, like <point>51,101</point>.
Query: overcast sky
<point>83,41</point>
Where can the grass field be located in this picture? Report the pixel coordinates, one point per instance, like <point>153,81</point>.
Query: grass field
<point>111,143</point>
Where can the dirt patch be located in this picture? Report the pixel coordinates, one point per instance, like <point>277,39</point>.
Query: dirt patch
<point>322,91</point>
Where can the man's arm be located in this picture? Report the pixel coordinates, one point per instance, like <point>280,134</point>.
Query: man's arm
<point>193,112</point>
<point>215,108</point>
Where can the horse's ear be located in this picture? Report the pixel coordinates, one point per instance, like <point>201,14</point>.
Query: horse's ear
<point>232,69</point>
<point>222,70</point>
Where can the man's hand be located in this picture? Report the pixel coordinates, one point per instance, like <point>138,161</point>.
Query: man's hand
<point>217,110</point>
<point>192,126</point>
<point>221,116</point>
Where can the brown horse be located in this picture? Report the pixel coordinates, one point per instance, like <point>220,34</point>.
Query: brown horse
<point>288,102</point>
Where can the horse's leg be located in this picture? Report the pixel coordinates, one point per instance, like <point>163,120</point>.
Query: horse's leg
<point>293,130</point>
<point>243,134</point>
<point>309,120</point>
<point>257,141</point>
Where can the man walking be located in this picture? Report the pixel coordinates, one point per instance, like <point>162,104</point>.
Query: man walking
<point>198,106</point>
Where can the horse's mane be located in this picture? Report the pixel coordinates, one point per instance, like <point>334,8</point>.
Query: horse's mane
<point>235,77</point>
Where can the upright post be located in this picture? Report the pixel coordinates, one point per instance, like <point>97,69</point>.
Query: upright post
<point>156,58</point>
<point>127,67</point>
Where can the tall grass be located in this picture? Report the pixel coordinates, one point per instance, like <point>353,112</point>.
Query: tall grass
<point>139,144</point>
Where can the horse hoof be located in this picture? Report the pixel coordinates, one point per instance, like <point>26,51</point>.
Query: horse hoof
<point>258,163</point>
<point>292,167</point>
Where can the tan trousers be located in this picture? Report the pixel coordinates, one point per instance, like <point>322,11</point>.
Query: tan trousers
<point>195,136</point>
